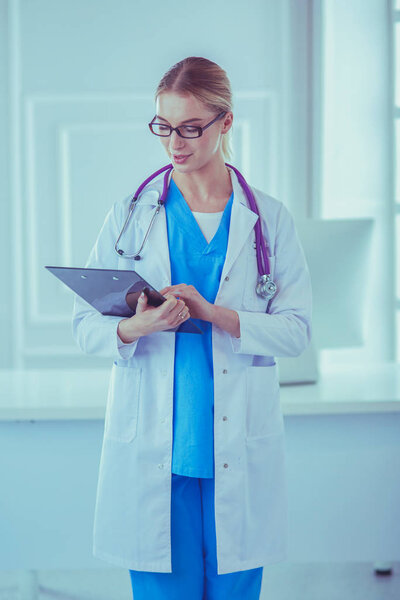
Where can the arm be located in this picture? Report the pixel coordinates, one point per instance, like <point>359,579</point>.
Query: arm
<point>128,331</point>
<point>96,333</point>
<point>286,329</point>
<point>226,319</point>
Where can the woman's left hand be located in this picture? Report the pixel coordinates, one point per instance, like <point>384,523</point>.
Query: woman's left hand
<point>198,306</point>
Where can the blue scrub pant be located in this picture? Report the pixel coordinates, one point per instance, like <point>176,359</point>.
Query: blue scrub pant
<point>194,553</point>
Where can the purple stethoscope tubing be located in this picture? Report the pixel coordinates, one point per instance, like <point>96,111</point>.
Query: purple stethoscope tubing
<point>265,282</point>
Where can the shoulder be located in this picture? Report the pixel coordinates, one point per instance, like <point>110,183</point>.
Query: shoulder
<point>121,205</point>
<point>118,211</point>
<point>275,216</point>
<point>269,207</point>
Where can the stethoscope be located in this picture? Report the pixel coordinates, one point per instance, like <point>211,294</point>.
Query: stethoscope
<point>265,287</point>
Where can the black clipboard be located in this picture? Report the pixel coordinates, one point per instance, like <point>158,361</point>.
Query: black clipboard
<point>114,291</point>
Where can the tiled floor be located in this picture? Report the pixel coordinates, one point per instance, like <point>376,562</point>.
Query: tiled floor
<point>284,581</point>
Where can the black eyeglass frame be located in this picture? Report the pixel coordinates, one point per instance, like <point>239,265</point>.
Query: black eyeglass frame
<point>199,129</point>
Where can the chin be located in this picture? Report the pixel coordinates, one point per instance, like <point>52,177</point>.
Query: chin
<point>183,167</point>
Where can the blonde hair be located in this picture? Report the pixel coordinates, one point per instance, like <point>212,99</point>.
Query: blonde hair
<point>207,82</point>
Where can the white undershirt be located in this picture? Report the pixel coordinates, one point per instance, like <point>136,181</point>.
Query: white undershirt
<point>208,223</point>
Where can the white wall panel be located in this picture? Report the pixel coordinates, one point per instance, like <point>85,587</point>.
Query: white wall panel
<point>82,80</point>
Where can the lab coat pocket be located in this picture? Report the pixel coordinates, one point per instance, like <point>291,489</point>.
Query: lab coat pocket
<point>251,300</point>
<point>263,410</point>
<point>122,403</point>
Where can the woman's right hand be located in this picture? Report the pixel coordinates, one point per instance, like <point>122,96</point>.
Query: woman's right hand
<point>149,319</point>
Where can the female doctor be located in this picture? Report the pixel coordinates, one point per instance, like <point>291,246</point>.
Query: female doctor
<point>191,494</point>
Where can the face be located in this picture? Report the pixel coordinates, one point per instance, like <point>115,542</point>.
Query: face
<point>175,109</point>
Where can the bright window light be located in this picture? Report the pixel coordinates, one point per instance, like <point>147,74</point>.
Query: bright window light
<point>397,65</point>
<point>398,335</point>
<point>397,160</point>
<point>397,258</point>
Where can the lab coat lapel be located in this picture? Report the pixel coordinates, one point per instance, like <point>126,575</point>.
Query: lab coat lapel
<point>155,265</point>
<point>242,222</point>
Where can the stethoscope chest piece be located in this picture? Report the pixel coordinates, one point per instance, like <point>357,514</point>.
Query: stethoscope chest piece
<point>265,287</point>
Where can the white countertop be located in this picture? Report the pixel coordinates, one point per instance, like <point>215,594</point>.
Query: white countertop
<point>81,394</point>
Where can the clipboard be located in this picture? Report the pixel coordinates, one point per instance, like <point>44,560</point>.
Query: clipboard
<point>115,292</point>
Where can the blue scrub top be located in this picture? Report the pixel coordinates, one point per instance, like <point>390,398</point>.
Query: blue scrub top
<point>195,262</point>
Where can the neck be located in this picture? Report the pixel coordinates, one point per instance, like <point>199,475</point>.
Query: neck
<point>205,185</point>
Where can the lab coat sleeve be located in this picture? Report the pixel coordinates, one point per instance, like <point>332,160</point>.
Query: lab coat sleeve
<point>95,333</point>
<point>286,329</point>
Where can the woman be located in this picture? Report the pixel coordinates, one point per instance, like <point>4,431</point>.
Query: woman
<point>191,492</point>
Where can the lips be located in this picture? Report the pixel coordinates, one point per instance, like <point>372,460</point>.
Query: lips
<point>180,155</point>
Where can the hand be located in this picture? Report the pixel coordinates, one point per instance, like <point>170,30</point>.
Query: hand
<point>198,306</point>
<point>169,314</point>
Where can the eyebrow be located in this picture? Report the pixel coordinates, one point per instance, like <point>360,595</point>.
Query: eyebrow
<point>187,120</point>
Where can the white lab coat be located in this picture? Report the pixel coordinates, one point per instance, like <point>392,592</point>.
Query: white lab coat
<point>133,503</point>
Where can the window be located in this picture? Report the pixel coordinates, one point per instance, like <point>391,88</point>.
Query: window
<point>396,161</point>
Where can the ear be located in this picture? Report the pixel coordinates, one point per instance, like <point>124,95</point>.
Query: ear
<point>228,120</point>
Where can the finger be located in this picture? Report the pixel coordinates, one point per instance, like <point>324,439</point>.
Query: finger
<point>183,314</point>
<point>175,305</point>
<point>171,300</point>
<point>172,295</point>
<point>169,295</point>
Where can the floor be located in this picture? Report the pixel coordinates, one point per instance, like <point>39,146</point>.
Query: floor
<point>283,581</point>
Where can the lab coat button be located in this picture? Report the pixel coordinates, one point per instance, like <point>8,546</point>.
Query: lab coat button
<point>224,371</point>
<point>160,466</point>
<point>227,278</point>
<point>224,418</point>
<point>226,465</point>
<point>163,372</point>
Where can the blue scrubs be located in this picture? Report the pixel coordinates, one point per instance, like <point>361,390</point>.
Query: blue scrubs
<point>194,553</point>
<point>195,262</point>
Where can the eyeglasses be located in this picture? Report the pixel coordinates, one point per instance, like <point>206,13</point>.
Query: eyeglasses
<point>185,131</point>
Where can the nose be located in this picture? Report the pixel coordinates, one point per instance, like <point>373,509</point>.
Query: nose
<point>175,143</point>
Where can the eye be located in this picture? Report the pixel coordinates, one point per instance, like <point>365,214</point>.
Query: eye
<point>189,129</point>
